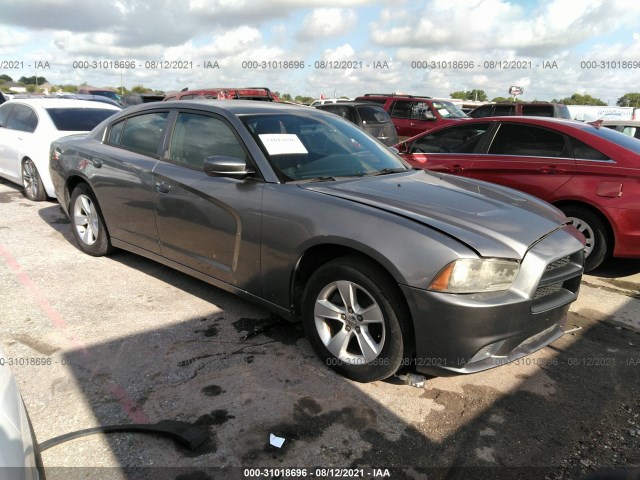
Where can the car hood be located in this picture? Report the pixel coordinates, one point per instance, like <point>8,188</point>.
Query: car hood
<point>494,221</point>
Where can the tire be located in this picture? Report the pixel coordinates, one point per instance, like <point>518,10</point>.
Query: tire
<point>598,246</point>
<point>31,181</point>
<point>87,223</point>
<point>366,347</point>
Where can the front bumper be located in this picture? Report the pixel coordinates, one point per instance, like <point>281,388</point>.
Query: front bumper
<point>469,333</point>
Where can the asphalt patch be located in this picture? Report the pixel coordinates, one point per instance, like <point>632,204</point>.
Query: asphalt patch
<point>308,424</point>
<point>212,391</point>
<point>273,327</point>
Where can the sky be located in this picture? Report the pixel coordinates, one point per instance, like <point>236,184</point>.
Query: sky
<point>549,48</point>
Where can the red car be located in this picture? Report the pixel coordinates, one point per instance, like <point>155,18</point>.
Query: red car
<point>592,174</point>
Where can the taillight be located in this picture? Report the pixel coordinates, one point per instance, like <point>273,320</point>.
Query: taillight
<point>55,154</point>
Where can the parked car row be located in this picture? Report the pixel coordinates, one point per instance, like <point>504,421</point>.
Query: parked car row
<point>605,222</point>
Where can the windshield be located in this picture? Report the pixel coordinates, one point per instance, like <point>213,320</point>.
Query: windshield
<point>304,146</point>
<point>106,93</point>
<point>448,110</point>
<point>78,119</point>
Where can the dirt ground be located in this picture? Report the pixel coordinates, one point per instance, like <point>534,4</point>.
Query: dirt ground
<point>122,340</point>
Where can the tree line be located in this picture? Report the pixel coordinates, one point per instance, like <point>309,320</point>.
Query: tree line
<point>627,100</point>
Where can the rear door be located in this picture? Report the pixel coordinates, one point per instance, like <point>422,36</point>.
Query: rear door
<point>120,171</point>
<point>448,150</point>
<point>209,224</point>
<point>529,158</point>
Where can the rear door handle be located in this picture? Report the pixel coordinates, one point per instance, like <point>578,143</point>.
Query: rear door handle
<point>551,169</point>
<point>163,187</point>
<point>455,168</point>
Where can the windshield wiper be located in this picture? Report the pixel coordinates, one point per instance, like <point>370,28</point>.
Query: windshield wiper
<point>315,179</point>
<point>385,171</point>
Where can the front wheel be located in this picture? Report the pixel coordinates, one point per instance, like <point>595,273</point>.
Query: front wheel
<point>31,181</point>
<point>88,224</point>
<point>355,320</point>
<point>597,245</point>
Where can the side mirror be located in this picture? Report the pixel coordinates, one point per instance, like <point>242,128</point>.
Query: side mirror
<point>222,166</point>
<point>403,147</point>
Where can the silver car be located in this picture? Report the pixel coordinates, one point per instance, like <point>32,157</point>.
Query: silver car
<point>306,214</point>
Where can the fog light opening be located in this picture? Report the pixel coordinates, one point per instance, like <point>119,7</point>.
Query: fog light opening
<point>488,352</point>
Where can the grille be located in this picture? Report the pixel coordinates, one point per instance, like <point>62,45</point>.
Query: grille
<point>561,262</point>
<point>547,290</point>
<point>559,284</point>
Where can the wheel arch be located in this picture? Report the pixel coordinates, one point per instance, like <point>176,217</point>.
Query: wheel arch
<point>70,186</point>
<point>611,237</point>
<point>320,254</point>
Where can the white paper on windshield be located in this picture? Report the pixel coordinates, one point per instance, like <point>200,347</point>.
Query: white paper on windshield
<point>282,143</point>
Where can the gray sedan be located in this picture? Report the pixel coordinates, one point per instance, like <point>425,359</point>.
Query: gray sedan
<point>306,214</point>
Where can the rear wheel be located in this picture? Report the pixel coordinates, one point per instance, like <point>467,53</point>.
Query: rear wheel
<point>31,181</point>
<point>355,320</point>
<point>88,224</point>
<point>595,232</point>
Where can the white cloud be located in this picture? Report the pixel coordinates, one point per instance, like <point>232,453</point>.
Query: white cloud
<point>326,22</point>
<point>496,24</point>
<point>11,39</point>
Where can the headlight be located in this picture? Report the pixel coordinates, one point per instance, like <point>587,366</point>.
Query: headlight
<point>470,275</point>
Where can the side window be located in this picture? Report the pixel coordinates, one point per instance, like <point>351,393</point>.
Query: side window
<point>504,110</point>
<point>22,118</point>
<point>401,109</point>
<point>481,112</point>
<point>541,110</point>
<point>460,139</point>
<point>141,133</point>
<point>196,137</point>
<point>420,111</point>
<point>583,151</point>
<point>525,140</point>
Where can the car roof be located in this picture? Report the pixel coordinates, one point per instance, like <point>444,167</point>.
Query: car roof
<point>236,107</point>
<point>353,104</point>
<point>529,120</point>
<point>395,95</point>
<point>61,102</point>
